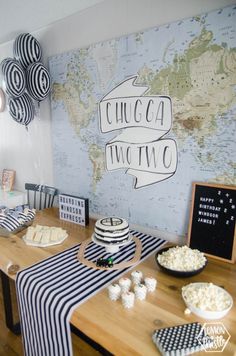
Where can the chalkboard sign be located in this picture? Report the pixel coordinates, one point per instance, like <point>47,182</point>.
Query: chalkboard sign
<point>212,220</point>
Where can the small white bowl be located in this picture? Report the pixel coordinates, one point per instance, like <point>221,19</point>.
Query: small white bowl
<point>207,314</point>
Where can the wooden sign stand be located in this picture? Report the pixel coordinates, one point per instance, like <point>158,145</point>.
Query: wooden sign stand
<point>212,220</point>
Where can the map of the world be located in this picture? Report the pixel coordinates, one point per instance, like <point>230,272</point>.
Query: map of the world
<point>192,61</point>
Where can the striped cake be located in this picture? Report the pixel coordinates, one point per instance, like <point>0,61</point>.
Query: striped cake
<point>111,230</point>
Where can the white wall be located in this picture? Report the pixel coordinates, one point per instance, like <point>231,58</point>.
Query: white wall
<point>30,152</point>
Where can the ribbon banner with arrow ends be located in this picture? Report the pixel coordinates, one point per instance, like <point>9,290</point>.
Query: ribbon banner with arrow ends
<point>144,120</point>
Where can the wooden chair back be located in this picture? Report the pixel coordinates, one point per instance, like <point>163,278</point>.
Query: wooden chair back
<point>40,196</point>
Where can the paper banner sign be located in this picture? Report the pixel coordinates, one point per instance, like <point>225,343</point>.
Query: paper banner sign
<point>144,120</point>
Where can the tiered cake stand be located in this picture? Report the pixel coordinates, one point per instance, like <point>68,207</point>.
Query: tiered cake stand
<point>111,248</point>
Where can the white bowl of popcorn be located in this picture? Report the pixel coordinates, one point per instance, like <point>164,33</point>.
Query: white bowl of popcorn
<point>181,261</point>
<point>207,300</point>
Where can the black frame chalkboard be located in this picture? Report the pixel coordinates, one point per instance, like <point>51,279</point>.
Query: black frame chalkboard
<point>212,220</point>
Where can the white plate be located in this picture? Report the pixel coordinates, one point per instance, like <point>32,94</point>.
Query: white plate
<point>111,248</point>
<point>207,314</point>
<point>38,244</point>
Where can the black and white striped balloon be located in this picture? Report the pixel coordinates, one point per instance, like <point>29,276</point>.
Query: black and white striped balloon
<point>38,81</point>
<point>21,109</point>
<point>27,49</point>
<point>4,62</point>
<point>13,77</point>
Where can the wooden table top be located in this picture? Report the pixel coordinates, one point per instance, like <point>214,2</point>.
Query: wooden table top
<point>13,250</point>
<point>128,332</point>
<point>121,331</point>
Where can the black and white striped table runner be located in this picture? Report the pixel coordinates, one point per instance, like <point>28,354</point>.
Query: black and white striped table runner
<point>49,291</point>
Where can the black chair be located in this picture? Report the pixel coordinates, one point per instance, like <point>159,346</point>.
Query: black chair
<point>40,196</point>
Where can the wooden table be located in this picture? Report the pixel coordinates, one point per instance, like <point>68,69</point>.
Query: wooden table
<point>121,331</point>
<point>13,250</point>
<point>128,332</point>
<point>15,253</point>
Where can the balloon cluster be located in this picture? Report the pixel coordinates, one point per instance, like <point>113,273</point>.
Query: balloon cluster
<point>25,78</point>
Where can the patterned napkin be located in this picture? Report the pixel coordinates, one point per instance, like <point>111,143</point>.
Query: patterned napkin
<point>12,219</point>
<point>181,340</point>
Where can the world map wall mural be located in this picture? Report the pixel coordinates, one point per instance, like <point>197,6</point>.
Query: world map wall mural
<point>193,63</point>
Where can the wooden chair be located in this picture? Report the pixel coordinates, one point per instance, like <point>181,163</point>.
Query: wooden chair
<point>40,196</point>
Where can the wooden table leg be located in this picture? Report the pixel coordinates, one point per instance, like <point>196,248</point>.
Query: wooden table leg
<point>89,341</point>
<point>7,303</point>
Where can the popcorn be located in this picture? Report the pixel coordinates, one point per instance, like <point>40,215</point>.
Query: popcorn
<point>140,291</point>
<point>125,284</point>
<point>114,291</point>
<point>207,296</point>
<point>187,311</point>
<point>150,283</point>
<point>136,277</point>
<point>127,299</point>
<point>182,259</point>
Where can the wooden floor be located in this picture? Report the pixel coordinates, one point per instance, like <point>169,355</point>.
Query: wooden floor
<point>10,344</point>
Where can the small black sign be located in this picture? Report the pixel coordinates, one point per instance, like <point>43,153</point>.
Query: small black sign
<point>212,220</point>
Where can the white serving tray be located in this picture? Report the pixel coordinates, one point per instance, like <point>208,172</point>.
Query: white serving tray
<point>38,244</point>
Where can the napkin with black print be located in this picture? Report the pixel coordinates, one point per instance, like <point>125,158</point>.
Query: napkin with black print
<point>181,340</point>
<point>13,219</point>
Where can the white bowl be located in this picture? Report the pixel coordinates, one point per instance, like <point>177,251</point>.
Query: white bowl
<point>207,314</point>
